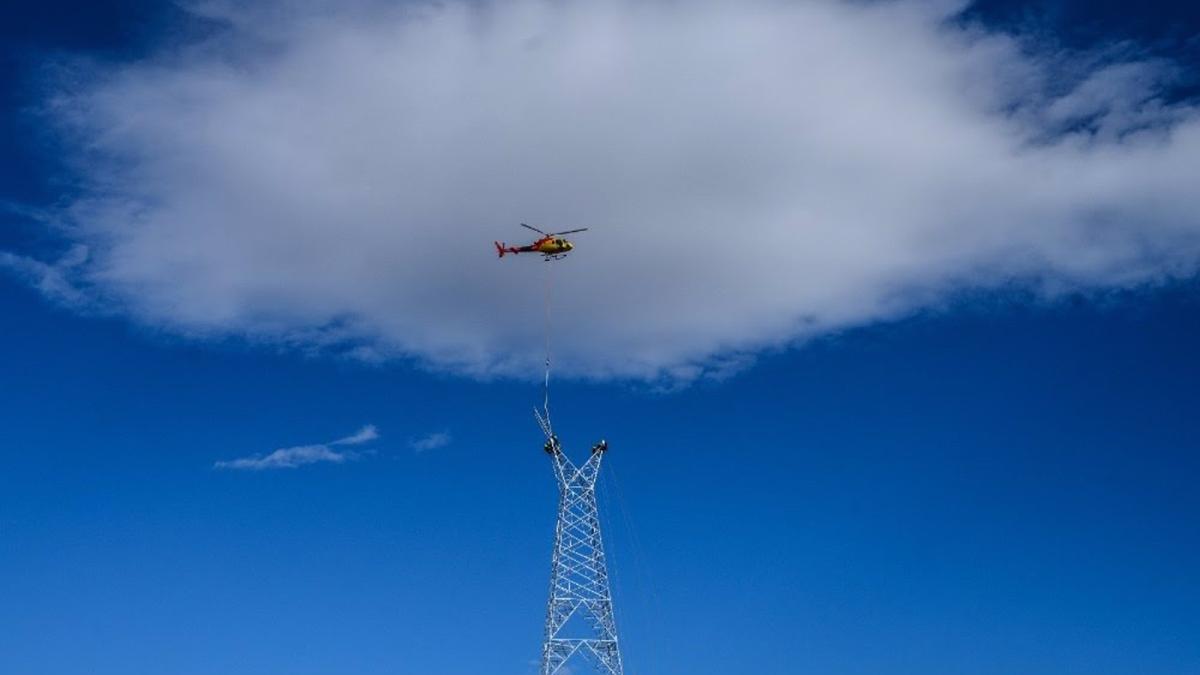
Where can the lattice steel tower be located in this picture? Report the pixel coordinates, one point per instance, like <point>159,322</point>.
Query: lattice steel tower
<point>579,617</point>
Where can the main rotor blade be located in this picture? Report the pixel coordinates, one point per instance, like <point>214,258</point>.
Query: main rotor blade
<point>555,234</point>
<point>533,228</point>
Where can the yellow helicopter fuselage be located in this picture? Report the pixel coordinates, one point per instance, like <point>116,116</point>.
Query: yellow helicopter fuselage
<point>553,246</point>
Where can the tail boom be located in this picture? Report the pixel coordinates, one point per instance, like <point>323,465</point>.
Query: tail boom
<point>502,248</point>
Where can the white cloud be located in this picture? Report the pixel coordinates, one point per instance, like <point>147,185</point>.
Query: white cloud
<point>437,439</point>
<point>290,458</point>
<point>363,435</point>
<point>51,280</point>
<point>754,173</point>
<point>286,458</point>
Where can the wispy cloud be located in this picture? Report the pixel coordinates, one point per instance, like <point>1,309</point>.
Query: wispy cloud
<point>437,439</point>
<point>52,280</point>
<point>363,435</point>
<point>301,455</point>
<point>287,458</point>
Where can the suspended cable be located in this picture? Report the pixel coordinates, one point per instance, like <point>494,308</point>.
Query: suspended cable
<point>641,568</point>
<point>546,385</point>
<point>543,416</point>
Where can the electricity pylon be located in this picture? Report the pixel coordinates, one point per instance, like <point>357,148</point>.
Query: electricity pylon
<point>579,617</point>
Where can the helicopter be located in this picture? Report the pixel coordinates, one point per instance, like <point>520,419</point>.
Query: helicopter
<point>551,245</point>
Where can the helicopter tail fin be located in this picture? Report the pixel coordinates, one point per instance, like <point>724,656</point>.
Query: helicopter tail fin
<point>499,248</point>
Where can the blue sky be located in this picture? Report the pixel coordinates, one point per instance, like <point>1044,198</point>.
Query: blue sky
<point>994,475</point>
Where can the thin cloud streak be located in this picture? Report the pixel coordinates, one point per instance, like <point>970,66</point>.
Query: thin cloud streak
<point>302,455</point>
<point>437,439</point>
<point>52,280</point>
<point>363,435</point>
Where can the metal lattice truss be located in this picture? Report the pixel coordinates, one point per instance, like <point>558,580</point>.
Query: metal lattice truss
<point>579,618</point>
